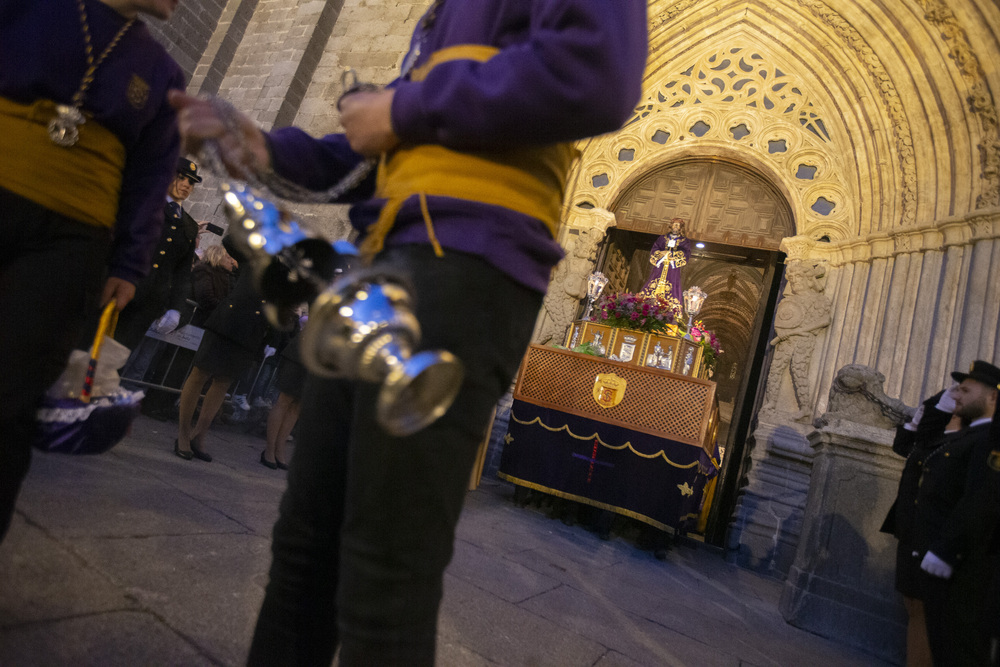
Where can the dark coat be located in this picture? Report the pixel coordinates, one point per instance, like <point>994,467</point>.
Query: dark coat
<point>941,487</point>
<point>210,285</point>
<point>914,445</point>
<point>168,284</point>
<point>968,540</point>
<point>240,318</point>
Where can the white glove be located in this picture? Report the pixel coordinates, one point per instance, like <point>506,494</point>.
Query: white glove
<point>168,322</point>
<point>268,351</point>
<point>915,422</point>
<point>935,567</point>
<point>947,402</point>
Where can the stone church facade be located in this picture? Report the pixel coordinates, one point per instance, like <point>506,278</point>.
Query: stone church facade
<point>860,139</point>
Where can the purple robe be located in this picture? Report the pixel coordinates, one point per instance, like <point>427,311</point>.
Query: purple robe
<point>42,57</point>
<point>548,84</point>
<point>668,259</point>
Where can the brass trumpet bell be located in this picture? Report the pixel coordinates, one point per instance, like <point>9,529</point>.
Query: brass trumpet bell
<point>363,327</point>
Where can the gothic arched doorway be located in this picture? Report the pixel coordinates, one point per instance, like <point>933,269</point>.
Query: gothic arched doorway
<point>736,219</point>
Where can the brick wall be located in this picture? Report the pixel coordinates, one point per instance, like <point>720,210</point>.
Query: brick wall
<point>280,61</point>
<point>188,32</point>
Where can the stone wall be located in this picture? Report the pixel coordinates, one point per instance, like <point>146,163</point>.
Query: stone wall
<point>914,306</point>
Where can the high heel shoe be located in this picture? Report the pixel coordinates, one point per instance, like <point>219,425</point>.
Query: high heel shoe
<point>187,456</point>
<point>200,453</point>
<point>266,463</point>
<point>281,464</point>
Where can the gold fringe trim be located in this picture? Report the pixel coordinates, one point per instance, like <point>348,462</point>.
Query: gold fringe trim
<point>595,436</point>
<point>587,501</point>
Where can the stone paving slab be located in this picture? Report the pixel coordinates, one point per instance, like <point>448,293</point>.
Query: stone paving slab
<point>99,640</point>
<point>137,557</point>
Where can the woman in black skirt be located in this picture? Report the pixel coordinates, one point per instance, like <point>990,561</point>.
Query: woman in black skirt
<point>285,413</point>
<point>233,342</point>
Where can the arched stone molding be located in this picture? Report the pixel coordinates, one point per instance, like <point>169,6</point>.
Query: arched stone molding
<point>739,104</point>
<point>903,94</point>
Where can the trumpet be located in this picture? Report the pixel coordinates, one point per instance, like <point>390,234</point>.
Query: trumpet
<point>361,323</point>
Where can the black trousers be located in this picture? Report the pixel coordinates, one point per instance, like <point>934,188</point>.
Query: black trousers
<point>367,524</point>
<point>51,275</point>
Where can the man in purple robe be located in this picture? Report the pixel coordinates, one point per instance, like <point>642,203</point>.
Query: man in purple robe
<point>85,160</point>
<point>475,144</point>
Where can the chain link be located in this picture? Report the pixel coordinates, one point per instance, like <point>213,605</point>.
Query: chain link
<point>266,180</point>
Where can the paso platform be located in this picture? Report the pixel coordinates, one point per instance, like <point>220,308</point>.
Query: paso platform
<point>638,441</point>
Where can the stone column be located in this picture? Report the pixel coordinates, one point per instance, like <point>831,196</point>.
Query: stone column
<point>581,235</point>
<point>841,584</point>
<point>767,519</point>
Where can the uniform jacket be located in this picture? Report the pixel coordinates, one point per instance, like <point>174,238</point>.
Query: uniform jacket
<point>545,86</point>
<point>941,487</point>
<point>974,525</point>
<point>168,284</point>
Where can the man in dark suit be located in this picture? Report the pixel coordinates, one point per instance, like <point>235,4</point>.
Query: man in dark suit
<point>161,295</point>
<point>956,505</point>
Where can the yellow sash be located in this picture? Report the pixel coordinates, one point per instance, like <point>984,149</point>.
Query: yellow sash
<point>527,180</point>
<point>82,182</point>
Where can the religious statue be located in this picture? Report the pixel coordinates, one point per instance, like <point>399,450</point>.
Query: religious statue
<point>669,255</point>
<point>801,314</point>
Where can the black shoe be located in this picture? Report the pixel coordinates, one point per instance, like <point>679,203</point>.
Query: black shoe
<point>281,464</point>
<point>200,453</point>
<point>187,456</point>
<point>266,463</point>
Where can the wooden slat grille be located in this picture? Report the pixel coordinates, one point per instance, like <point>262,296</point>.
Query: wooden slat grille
<point>657,402</point>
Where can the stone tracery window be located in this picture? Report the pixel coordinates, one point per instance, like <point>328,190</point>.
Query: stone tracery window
<point>741,76</point>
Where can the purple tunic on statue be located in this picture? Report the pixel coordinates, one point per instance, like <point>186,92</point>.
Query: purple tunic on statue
<point>543,72</point>
<point>669,255</point>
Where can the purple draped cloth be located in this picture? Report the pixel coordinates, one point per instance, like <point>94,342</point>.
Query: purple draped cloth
<point>669,255</point>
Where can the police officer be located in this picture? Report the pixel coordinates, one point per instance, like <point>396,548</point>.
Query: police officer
<point>957,507</point>
<point>161,295</point>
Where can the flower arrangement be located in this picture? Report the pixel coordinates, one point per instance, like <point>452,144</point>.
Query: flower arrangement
<point>625,310</point>
<point>706,338</point>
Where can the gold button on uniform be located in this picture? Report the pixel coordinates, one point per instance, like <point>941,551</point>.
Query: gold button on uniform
<point>163,252</point>
<point>156,266</point>
<point>173,226</point>
<point>169,240</point>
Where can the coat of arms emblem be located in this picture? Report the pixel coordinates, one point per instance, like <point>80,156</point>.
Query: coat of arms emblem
<point>609,389</point>
<point>138,92</point>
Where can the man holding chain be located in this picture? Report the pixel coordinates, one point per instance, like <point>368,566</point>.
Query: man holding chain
<point>474,139</point>
<point>88,145</point>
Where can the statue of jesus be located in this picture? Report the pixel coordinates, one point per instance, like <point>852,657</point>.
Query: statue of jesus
<point>669,254</point>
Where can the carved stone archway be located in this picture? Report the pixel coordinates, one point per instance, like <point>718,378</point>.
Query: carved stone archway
<point>721,202</point>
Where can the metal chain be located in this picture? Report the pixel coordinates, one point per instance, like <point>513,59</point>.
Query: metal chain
<point>88,49</point>
<point>267,180</point>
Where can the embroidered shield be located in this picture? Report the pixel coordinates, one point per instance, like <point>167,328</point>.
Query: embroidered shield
<point>138,92</point>
<point>993,460</point>
<point>609,390</point>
